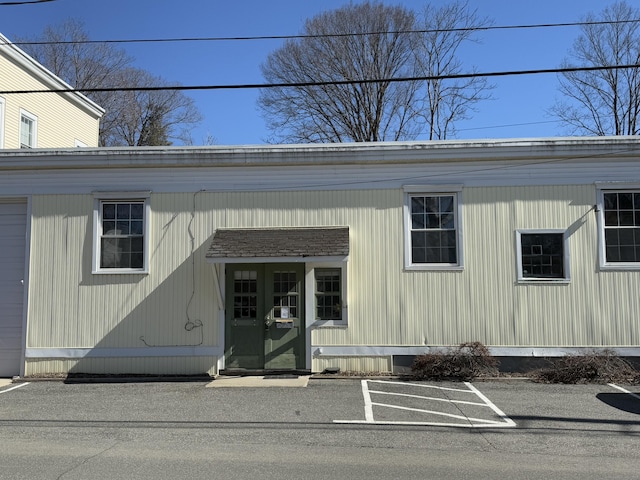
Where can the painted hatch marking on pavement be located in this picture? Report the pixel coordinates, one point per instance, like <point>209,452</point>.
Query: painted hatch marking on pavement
<point>469,422</point>
<point>14,387</point>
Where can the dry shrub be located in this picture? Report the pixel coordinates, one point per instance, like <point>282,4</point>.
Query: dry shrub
<point>464,362</point>
<point>602,366</point>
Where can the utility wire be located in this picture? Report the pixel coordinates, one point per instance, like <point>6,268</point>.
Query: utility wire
<point>26,2</point>
<point>329,35</point>
<point>322,84</point>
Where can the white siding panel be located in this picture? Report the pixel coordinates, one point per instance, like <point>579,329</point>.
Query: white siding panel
<point>71,308</point>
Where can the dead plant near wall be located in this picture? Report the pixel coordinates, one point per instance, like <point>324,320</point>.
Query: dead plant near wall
<point>464,362</point>
<point>601,366</point>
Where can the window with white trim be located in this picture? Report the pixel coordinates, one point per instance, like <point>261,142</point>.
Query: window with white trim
<point>621,225</point>
<point>328,284</point>
<point>326,293</point>
<point>542,255</point>
<point>28,130</point>
<point>433,235</point>
<point>121,235</point>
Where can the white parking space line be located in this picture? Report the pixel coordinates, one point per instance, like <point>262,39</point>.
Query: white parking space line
<point>491,405</point>
<point>613,385</point>
<point>469,422</point>
<point>13,388</point>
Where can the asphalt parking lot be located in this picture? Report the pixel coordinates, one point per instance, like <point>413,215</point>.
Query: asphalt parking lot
<point>516,404</point>
<point>484,428</point>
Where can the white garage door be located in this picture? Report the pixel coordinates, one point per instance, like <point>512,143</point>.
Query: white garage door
<point>13,228</point>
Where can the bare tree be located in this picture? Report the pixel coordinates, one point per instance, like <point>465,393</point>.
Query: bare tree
<point>604,102</point>
<point>147,117</point>
<point>447,100</point>
<point>132,118</point>
<point>344,45</point>
<point>373,42</point>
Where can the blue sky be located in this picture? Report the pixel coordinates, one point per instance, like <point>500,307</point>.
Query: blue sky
<point>231,116</point>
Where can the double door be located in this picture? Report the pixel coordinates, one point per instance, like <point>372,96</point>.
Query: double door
<point>264,317</point>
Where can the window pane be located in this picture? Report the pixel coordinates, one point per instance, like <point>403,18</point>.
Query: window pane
<point>123,211</point>
<point>611,201</point>
<point>122,228</point>
<point>611,218</point>
<point>446,204</point>
<point>418,220</point>
<point>419,239</point>
<point>433,221</point>
<point>627,254</point>
<point>448,221</point>
<point>418,255</point>
<point>626,218</point>
<point>432,204</point>
<point>108,228</point>
<point>448,238</point>
<point>137,211</point>
<point>542,255</point>
<point>109,211</point>
<point>417,205</point>
<point>625,201</point>
<point>434,255</point>
<point>136,227</point>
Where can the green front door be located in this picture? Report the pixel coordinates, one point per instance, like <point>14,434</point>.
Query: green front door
<point>265,316</point>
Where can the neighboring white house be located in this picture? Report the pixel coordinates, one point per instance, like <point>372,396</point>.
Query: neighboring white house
<point>41,120</point>
<point>303,257</point>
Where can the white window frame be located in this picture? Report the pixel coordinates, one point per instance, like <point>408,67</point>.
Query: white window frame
<point>310,293</point>
<point>2,122</point>
<point>411,191</point>
<point>565,253</point>
<point>611,187</point>
<point>34,120</point>
<point>98,199</point>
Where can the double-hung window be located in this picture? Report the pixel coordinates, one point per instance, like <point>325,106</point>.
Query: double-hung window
<point>543,255</point>
<point>121,242</point>
<point>433,228</point>
<point>619,212</point>
<point>328,293</point>
<point>326,283</point>
<point>28,130</point>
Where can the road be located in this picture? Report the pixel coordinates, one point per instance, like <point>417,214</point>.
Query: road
<point>52,430</point>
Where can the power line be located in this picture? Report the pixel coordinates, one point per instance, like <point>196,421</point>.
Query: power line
<point>505,126</point>
<point>330,35</point>
<point>249,86</point>
<point>26,2</point>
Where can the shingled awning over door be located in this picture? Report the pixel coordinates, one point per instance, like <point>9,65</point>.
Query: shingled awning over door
<point>266,245</point>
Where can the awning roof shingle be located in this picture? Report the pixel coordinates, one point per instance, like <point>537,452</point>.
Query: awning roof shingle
<point>271,244</point>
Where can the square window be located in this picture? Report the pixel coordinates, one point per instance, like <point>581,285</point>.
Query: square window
<point>542,255</point>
